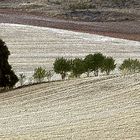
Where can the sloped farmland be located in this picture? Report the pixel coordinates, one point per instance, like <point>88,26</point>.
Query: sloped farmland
<point>38,46</point>
<point>81,109</point>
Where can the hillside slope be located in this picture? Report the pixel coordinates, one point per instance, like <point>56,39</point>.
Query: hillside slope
<point>32,46</point>
<point>102,17</point>
<point>82,109</point>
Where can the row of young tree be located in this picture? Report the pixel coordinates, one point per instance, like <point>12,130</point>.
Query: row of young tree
<point>76,67</point>
<point>91,63</point>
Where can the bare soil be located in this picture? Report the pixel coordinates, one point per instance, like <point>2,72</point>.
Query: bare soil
<point>32,47</point>
<point>126,29</point>
<point>81,109</point>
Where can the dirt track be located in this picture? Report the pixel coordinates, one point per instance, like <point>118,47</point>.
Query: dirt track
<point>128,30</point>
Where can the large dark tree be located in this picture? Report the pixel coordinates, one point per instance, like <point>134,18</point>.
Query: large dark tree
<point>7,75</point>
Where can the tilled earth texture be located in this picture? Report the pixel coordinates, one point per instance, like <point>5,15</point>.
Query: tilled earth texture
<point>106,108</point>
<point>32,47</point>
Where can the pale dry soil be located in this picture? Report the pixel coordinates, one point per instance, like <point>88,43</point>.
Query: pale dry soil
<point>106,108</point>
<point>102,108</point>
<point>32,46</point>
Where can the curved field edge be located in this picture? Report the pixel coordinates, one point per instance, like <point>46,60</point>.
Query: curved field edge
<point>126,29</point>
<point>86,108</point>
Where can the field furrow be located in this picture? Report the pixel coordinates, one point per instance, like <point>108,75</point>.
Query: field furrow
<point>78,110</point>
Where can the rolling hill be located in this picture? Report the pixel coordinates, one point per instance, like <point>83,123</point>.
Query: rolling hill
<point>102,108</point>
<point>32,46</point>
<point>105,17</point>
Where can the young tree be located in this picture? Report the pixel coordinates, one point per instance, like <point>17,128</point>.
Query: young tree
<point>98,60</point>
<point>21,79</point>
<point>78,67</point>
<point>135,66</point>
<point>130,65</point>
<point>62,66</point>
<point>126,65</point>
<point>108,65</point>
<point>39,74</point>
<point>89,63</point>
<point>7,75</point>
<point>49,74</point>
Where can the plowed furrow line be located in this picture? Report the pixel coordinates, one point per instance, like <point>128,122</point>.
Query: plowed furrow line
<point>49,89</point>
<point>94,101</point>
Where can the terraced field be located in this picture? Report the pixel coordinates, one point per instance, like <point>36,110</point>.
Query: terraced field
<point>106,108</point>
<point>38,46</point>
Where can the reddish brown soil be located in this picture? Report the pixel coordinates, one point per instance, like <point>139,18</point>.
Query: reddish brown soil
<point>126,29</point>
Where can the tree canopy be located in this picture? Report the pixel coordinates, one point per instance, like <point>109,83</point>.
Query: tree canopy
<point>94,63</point>
<point>130,65</point>
<point>7,75</point>
<point>89,63</point>
<point>77,67</point>
<point>62,66</point>
<point>98,61</point>
<point>39,74</point>
<point>108,65</point>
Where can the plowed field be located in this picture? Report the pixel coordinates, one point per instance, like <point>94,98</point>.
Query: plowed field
<point>32,46</point>
<point>106,108</point>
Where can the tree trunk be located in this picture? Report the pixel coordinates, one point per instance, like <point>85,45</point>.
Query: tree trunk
<point>0,77</point>
<point>107,72</point>
<point>88,72</point>
<point>63,75</point>
<point>96,73</point>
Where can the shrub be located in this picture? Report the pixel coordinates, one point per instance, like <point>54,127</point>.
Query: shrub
<point>49,74</point>
<point>21,79</point>
<point>39,74</point>
<point>120,2</point>
<point>80,5</point>
<point>130,66</point>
